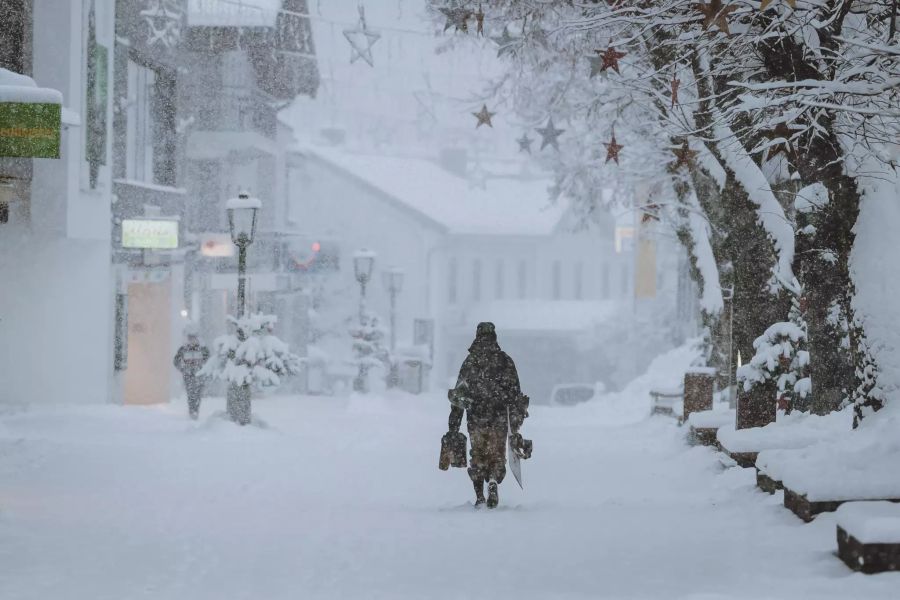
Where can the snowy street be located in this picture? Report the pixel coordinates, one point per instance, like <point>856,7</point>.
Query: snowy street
<point>342,498</point>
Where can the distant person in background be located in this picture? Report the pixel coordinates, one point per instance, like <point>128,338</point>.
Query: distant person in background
<point>189,359</point>
<point>488,392</point>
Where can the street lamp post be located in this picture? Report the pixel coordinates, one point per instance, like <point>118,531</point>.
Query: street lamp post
<point>242,213</point>
<point>393,281</point>
<point>363,261</point>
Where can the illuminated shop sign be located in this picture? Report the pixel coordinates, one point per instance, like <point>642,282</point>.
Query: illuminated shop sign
<point>150,234</point>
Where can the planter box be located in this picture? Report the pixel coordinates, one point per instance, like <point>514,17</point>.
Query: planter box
<point>807,509</point>
<point>704,436</point>
<point>868,536</point>
<point>767,483</point>
<point>867,558</point>
<point>704,425</point>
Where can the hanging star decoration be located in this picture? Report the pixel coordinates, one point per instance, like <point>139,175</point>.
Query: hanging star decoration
<point>676,83</point>
<point>505,43</point>
<point>457,17</point>
<point>764,4</point>
<point>525,143</point>
<point>484,117</point>
<point>716,14</point>
<point>608,59</point>
<point>782,132</point>
<point>550,135</point>
<point>479,20</point>
<point>613,148</point>
<point>361,40</point>
<point>684,156</point>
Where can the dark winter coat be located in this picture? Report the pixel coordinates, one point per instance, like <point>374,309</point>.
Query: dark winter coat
<point>488,385</point>
<point>190,358</point>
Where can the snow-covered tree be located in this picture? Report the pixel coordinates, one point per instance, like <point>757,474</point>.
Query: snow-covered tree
<point>756,100</point>
<point>252,355</point>
<point>369,351</point>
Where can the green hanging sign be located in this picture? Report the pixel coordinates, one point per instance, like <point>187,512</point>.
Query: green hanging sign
<point>30,130</point>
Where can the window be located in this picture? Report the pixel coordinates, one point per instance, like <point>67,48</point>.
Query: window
<point>522,280</point>
<point>605,281</point>
<point>578,282</point>
<point>140,129</point>
<point>150,126</point>
<point>498,281</point>
<point>452,274</point>
<point>557,280</point>
<point>476,280</point>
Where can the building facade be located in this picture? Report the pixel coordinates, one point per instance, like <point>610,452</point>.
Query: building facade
<point>473,251</point>
<point>56,307</point>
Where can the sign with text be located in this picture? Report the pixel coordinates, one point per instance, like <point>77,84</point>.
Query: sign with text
<point>30,130</point>
<point>150,234</point>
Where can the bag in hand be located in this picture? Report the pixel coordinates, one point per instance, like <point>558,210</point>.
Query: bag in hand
<point>453,450</point>
<point>520,446</point>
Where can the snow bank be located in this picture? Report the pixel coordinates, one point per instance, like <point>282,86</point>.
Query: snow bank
<point>633,403</point>
<point>796,430</point>
<point>871,522</point>
<point>719,416</point>
<point>859,464</point>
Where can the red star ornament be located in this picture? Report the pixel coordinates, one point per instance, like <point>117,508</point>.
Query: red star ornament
<point>611,58</point>
<point>612,149</point>
<point>715,13</point>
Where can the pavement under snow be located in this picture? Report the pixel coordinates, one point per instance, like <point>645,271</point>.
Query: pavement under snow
<point>342,498</point>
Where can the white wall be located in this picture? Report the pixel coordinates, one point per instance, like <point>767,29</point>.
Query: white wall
<point>56,301</point>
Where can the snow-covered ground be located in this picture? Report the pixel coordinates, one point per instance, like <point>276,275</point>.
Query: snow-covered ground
<point>342,498</point>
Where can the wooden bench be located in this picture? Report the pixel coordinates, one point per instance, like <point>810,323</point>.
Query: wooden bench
<point>664,403</point>
<point>868,536</point>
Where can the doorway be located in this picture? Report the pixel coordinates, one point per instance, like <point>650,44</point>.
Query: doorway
<point>148,374</point>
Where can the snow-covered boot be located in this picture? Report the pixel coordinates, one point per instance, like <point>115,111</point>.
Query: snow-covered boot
<point>479,492</point>
<point>493,498</point>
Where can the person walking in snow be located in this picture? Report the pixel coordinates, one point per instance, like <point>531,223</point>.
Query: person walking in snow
<point>189,359</point>
<point>488,392</point>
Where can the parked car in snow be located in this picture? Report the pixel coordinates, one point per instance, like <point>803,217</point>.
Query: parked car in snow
<point>570,394</point>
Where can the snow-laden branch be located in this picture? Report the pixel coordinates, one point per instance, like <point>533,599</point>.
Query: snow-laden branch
<point>711,295</point>
<point>769,211</point>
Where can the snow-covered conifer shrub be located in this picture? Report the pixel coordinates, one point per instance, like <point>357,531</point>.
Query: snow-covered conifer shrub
<point>781,357</point>
<point>252,355</point>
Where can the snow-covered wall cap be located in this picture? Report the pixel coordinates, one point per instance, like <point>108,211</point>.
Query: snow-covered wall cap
<point>243,201</point>
<point>21,88</point>
<point>363,253</point>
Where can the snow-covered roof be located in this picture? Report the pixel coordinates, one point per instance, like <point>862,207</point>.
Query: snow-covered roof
<point>233,13</point>
<point>21,88</point>
<point>557,316</point>
<point>506,206</point>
